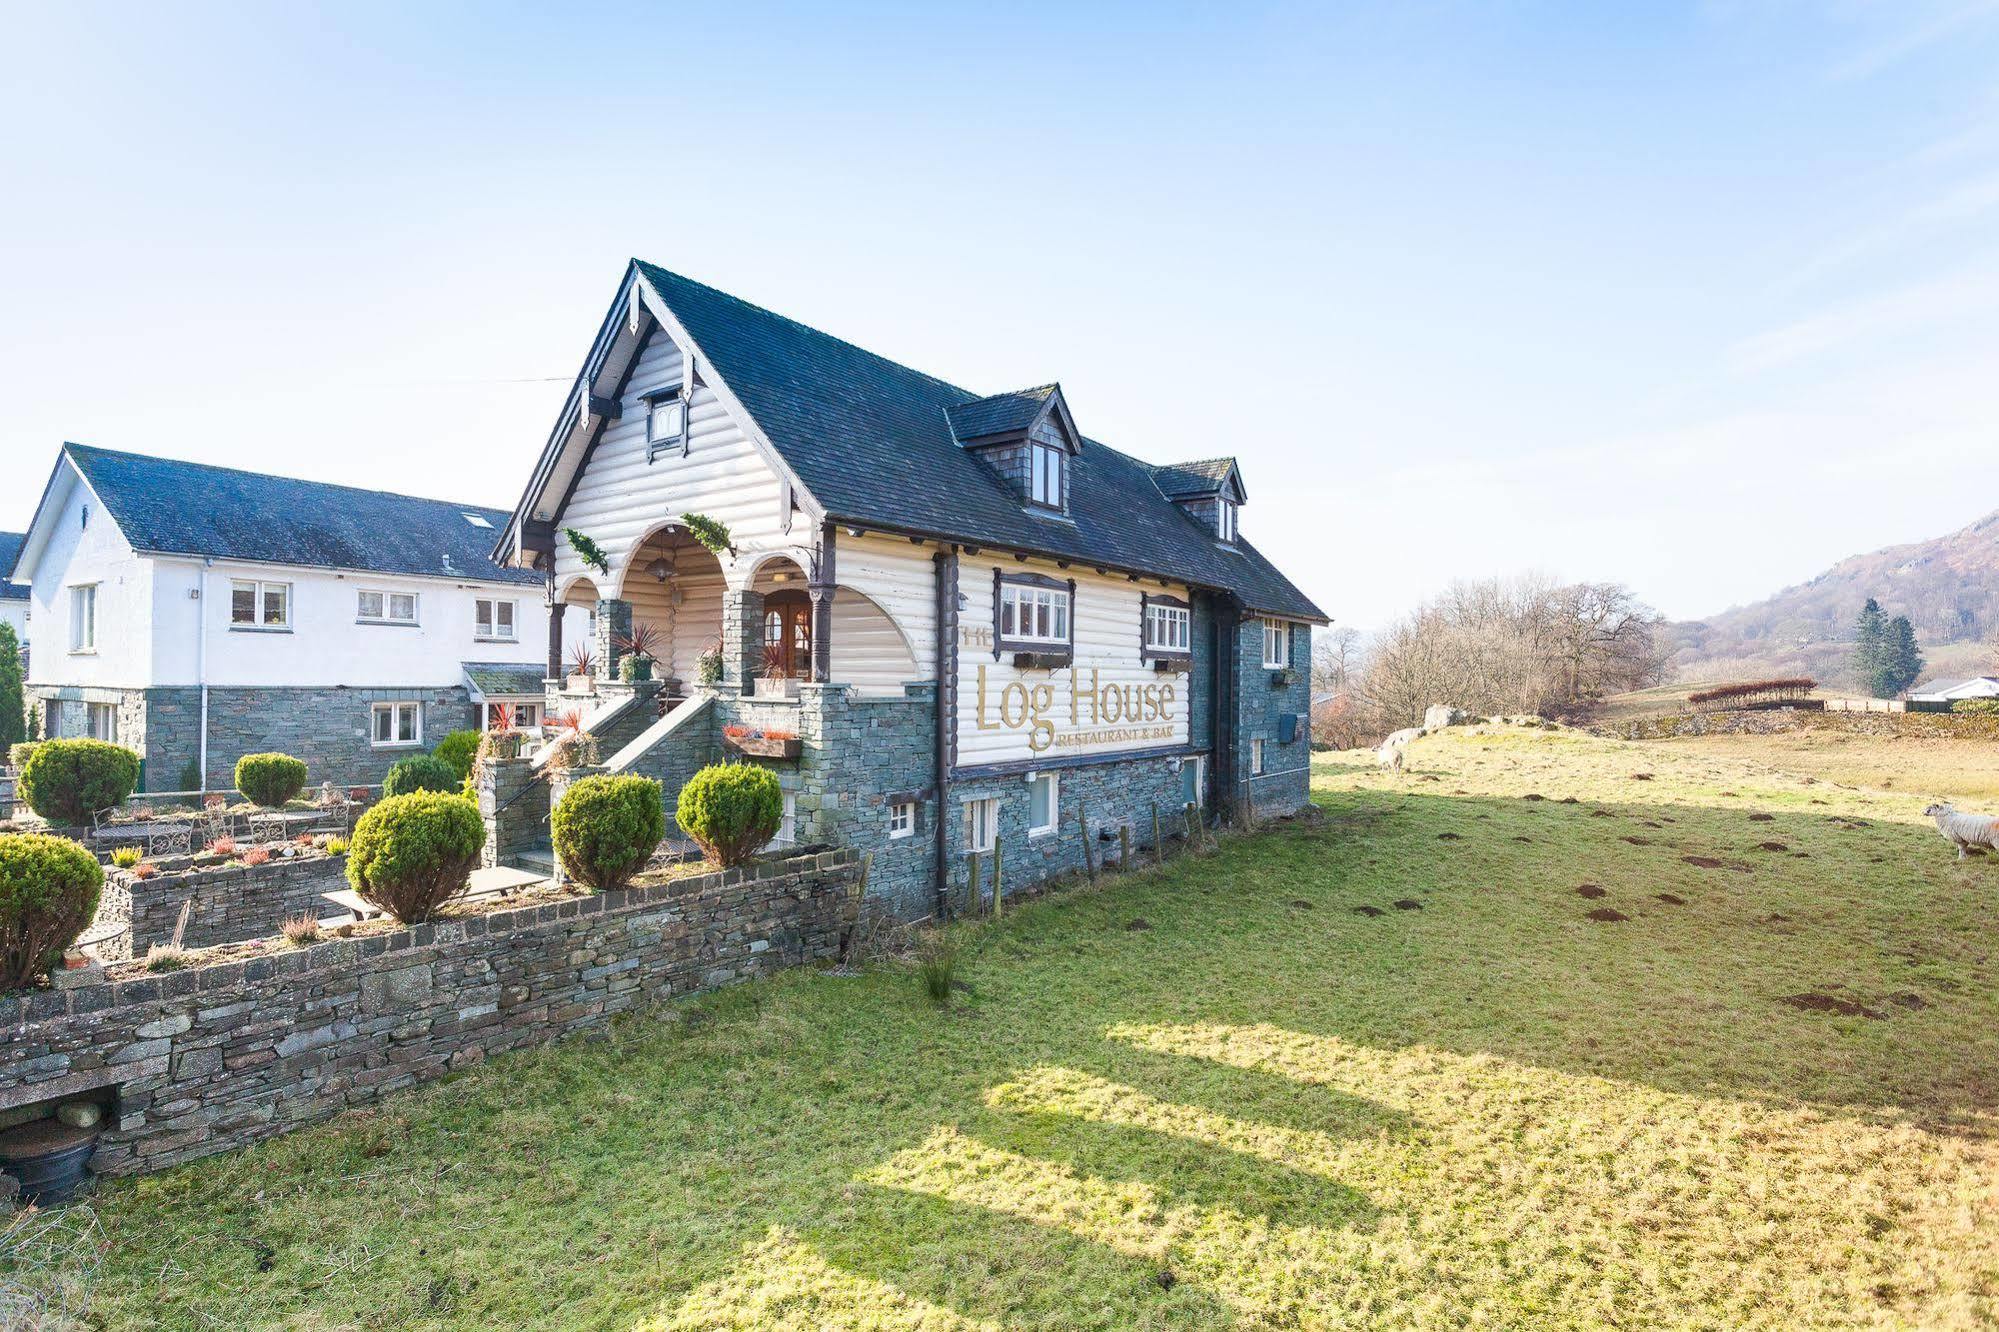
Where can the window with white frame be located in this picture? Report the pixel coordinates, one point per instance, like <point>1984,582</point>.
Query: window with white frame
<point>255,604</point>
<point>1225,519</point>
<point>1043,805</point>
<point>1256,758</point>
<point>83,618</point>
<point>373,606</point>
<point>1190,781</point>
<point>1044,463</point>
<point>787,825</point>
<point>493,619</point>
<point>902,819</point>
<point>1033,613</point>
<point>981,824</point>
<point>103,719</point>
<point>1168,628</point>
<point>1276,644</point>
<point>396,724</point>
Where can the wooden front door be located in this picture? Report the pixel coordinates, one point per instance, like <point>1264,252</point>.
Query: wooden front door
<point>788,634</point>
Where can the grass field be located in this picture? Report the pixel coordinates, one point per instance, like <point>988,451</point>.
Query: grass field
<point>1382,1071</point>
<point>1966,771</point>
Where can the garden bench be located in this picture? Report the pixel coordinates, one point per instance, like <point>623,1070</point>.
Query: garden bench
<point>497,881</point>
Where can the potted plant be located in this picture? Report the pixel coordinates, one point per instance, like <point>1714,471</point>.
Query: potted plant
<point>642,648</point>
<point>708,667</point>
<point>777,681</point>
<point>582,665</point>
<point>1283,678</point>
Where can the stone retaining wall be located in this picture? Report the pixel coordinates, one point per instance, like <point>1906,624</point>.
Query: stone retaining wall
<point>248,902</point>
<point>195,1062</point>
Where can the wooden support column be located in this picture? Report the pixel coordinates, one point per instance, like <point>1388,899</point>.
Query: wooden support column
<point>554,634</point>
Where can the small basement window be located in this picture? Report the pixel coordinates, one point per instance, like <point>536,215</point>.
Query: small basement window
<point>902,819</point>
<point>1043,805</point>
<point>981,824</point>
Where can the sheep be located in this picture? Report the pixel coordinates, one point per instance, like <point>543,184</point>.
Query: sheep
<point>1390,756</point>
<point>1966,830</point>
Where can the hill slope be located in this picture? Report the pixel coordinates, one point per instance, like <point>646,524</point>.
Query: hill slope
<point>1948,587</point>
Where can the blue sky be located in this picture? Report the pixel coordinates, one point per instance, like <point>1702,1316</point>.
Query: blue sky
<point>1700,297</point>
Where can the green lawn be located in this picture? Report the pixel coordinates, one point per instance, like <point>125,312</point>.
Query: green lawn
<point>1220,1096</point>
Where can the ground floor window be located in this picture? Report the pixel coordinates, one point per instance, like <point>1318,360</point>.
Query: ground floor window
<point>103,719</point>
<point>787,824</point>
<point>981,824</point>
<point>1190,781</point>
<point>902,819</point>
<point>1042,805</point>
<point>1256,758</point>
<point>396,724</point>
<point>520,716</point>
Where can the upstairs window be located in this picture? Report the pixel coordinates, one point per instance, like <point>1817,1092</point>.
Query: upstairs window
<point>375,607</point>
<point>493,619</point>
<point>83,618</point>
<point>1276,644</point>
<point>666,422</point>
<point>1169,629</point>
<point>1225,519</point>
<point>259,605</point>
<point>1036,612</point>
<point>1044,462</point>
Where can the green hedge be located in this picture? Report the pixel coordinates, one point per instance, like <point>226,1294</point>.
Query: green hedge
<point>1976,707</point>
<point>420,772</point>
<point>48,894</point>
<point>731,810</point>
<point>269,779</point>
<point>458,749</point>
<point>411,853</point>
<point>67,781</point>
<point>606,828</point>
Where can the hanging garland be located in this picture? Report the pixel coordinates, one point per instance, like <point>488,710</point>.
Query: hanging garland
<point>587,550</point>
<point>710,533</point>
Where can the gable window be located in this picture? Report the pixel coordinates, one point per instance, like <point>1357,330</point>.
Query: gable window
<point>377,607</point>
<point>666,422</point>
<point>83,618</point>
<point>259,605</point>
<point>1169,628</point>
<point>1034,612</point>
<point>902,819</point>
<point>1276,644</point>
<point>1225,519</point>
<point>1044,463</point>
<point>981,824</point>
<point>1042,804</point>
<point>493,619</point>
<point>396,725</point>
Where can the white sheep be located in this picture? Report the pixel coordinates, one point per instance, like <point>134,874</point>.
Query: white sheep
<point>1966,830</point>
<point>1390,756</point>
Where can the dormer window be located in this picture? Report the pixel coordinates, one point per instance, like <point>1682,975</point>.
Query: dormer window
<point>1225,520</point>
<point>1045,475</point>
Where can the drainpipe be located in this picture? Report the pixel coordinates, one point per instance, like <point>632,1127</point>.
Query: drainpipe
<point>201,663</point>
<point>946,565</point>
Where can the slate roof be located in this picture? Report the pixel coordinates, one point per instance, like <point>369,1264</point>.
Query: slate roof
<point>168,507</point>
<point>1002,414</point>
<point>502,679</point>
<point>1178,480</point>
<point>872,442</point>
<point>10,550</point>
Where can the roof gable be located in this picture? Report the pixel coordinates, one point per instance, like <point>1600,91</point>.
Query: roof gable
<point>1199,480</point>
<point>164,506</point>
<point>10,551</point>
<point>1006,417</point>
<point>872,443</point>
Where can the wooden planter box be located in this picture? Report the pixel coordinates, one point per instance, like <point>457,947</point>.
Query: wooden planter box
<point>763,746</point>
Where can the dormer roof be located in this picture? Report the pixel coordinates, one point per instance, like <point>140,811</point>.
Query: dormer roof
<point>1005,417</point>
<point>1201,480</point>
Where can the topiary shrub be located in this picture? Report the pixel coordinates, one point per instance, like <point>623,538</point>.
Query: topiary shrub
<point>48,893</point>
<point>411,853</point>
<point>269,779</point>
<point>17,755</point>
<point>458,749</point>
<point>606,828</point>
<point>731,810</point>
<point>67,781</point>
<point>420,772</point>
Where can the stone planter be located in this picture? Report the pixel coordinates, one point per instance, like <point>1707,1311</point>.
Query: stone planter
<point>764,746</point>
<point>582,684</point>
<point>766,687</point>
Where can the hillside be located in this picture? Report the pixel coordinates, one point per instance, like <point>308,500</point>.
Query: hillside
<point>1948,587</point>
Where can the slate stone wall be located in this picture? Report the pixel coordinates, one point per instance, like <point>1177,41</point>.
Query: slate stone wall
<point>205,1060</point>
<point>1285,784</point>
<point>251,902</point>
<point>328,728</point>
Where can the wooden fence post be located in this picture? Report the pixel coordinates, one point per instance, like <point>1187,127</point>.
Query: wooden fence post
<point>1124,848</point>
<point>1158,839</point>
<point>1083,826</point>
<point>999,876</point>
<point>972,888</point>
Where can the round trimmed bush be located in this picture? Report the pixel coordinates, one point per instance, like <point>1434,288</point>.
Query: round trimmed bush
<point>731,810</point>
<point>48,893</point>
<point>420,772</point>
<point>606,828</point>
<point>458,749</point>
<point>411,853</point>
<point>66,781</point>
<point>269,779</point>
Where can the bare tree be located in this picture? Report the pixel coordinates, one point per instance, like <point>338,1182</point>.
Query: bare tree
<point>1335,659</point>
